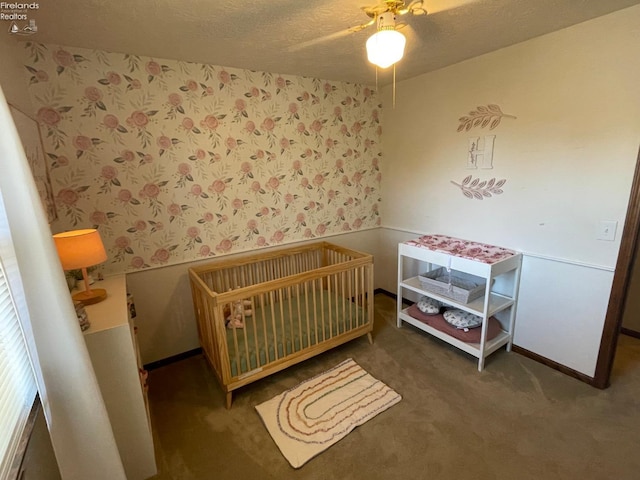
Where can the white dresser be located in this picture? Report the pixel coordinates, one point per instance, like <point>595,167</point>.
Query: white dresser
<point>112,345</point>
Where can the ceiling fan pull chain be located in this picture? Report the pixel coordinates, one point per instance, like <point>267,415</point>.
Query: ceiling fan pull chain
<point>376,79</point>
<point>393,103</point>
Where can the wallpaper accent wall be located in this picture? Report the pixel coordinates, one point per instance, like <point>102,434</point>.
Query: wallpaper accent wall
<point>175,161</point>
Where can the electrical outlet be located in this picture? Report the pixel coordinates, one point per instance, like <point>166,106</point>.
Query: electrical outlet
<point>607,230</point>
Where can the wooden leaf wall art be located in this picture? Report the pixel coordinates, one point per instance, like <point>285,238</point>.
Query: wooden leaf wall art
<point>482,116</point>
<point>474,188</point>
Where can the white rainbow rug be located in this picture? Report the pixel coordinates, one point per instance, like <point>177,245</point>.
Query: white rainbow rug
<point>309,418</point>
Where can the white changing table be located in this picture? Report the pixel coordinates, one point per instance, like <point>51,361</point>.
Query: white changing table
<point>482,260</point>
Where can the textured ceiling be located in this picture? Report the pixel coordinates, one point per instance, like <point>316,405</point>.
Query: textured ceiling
<point>304,37</point>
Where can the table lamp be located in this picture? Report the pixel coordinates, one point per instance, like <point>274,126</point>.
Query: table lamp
<point>80,249</point>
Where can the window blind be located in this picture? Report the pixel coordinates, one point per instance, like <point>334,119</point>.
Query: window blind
<point>17,383</point>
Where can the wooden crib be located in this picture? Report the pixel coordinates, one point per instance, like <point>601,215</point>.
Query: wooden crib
<point>304,300</point>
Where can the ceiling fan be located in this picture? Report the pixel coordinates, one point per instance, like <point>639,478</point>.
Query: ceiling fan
<point>383,15</point>
<point>390,7</point>
<point>386,46</point>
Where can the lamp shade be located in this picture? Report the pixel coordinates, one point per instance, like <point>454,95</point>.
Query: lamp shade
<point>79,249</point>
<point>385,47</point>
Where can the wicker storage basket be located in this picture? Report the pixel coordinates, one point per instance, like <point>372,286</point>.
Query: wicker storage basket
<point>463,289</point>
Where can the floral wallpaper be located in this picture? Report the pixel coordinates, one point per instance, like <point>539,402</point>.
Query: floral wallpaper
<point>175,161</point>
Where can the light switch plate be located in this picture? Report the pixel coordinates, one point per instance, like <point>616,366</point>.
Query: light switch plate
<point>607,230</point>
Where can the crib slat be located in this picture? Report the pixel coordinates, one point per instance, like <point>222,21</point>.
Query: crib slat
<point>242,281</point>
<point>264,330</point>
<point>306,306</point>
<point>273,325</point>
<point>344,300</point>
<point>320,290</point>
<point>314,292</point>
<point>363,293</point>
<point>335,279</point>
<point>224,286</point>
<point>352,298</point>
<point>283,338</point>
<point>255,280</point>
<point>329,309</point>
<point>299,317</point>
<point>290,309</point>
<point>255,337</point>
<point>236,353</point>
<point>245,338</point>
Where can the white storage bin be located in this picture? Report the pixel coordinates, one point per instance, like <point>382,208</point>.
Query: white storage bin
<point>459,286</point>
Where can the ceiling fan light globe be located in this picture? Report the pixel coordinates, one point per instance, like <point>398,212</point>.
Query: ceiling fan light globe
<point>385,47</point>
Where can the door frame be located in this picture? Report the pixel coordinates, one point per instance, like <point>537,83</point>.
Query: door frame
<point>627,256</point>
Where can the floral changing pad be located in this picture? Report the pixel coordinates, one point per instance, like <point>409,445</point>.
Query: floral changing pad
<point>480,252</point>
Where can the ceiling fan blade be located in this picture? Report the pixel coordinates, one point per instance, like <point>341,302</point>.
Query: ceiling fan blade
<point>437,6</point>
<point>316,41</point>
<point>357,28</point>
<point>417,8</point>
<point>375,10</point>
<point>331,36</point>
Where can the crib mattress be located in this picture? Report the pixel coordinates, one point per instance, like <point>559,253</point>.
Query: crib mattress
<point>285,327</point>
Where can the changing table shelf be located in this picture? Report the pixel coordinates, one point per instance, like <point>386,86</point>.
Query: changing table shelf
<point>482,260</point>
<point>475,349</point>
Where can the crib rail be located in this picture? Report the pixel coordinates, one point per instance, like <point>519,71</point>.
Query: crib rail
<point>302,301</point>
<point>226,274</point>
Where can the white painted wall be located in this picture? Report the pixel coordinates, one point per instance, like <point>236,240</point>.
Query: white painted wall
<point>568,159</point>
<point>561,311</point>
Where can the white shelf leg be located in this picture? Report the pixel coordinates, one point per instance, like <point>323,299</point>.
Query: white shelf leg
<point>513,309</point>
<point>399,292</point>
<point>485,321</point>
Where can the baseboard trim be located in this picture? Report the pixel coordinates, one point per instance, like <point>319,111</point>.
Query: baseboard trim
<point>630,333</point>
<point>405,301</point>
<point>552,364</point>
<point>173,359</point>
<point>385,292</point>
<point>528,353</point>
